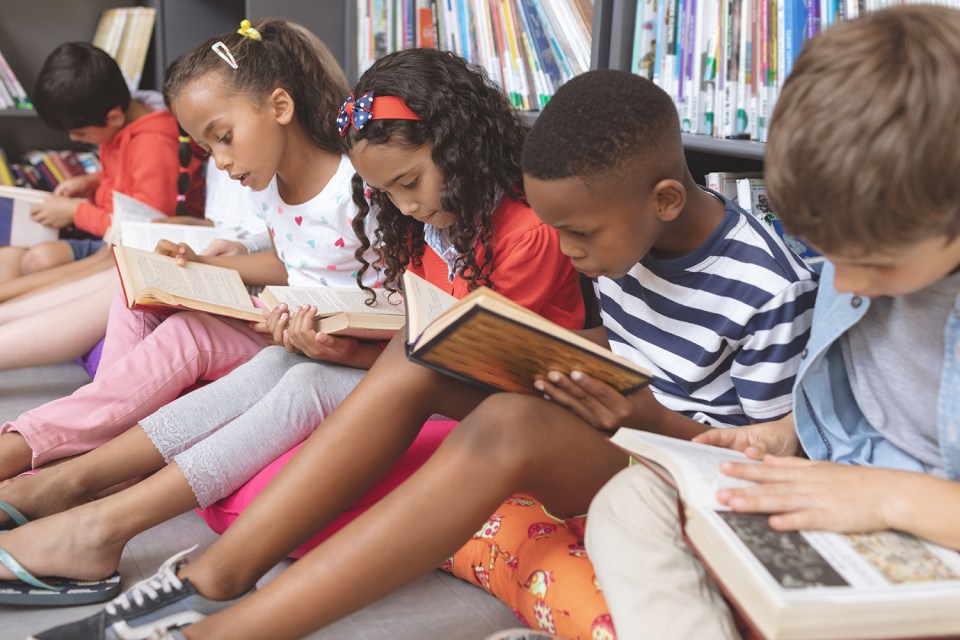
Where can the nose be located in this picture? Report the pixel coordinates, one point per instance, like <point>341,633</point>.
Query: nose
<point>408,208</point>
<point>223,163</point>
<point>75,137</point>
<point>570,248</point>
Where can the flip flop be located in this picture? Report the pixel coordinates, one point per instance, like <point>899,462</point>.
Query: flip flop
<point>15,518</point>
<point>55,592</point>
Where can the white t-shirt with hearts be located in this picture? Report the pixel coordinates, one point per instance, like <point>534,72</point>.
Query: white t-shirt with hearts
<point>315,239</point>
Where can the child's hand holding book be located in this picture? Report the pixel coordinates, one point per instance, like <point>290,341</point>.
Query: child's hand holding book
<point>599,404</point>
<point>756,440</point>
<point>182,252</point>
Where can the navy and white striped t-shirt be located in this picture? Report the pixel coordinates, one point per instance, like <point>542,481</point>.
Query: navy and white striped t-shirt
<point>722,328</point>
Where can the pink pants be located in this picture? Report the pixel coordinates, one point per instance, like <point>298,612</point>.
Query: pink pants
<point>148,360</point>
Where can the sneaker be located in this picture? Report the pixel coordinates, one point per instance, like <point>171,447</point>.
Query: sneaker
<point>522,634</point>
<point>161,602</point>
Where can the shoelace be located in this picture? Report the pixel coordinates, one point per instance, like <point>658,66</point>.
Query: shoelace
<point>164,580</point>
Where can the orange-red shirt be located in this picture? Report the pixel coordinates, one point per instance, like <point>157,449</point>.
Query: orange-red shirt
<point>141,161</point>
<point>528,266</point>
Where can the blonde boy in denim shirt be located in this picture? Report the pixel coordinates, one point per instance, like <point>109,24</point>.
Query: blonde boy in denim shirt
<point>862,163</point>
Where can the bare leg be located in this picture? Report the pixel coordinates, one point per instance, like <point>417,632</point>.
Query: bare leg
<point>78,480</point>
<point>16,456</point>
<point>45,255</point>
<point>345,456</point>
<point>86,542</point>
<point>509,444</point>
<point>70,329</point>
<point>55,295</point>
<point>10,262</point>
<point>54,276</point>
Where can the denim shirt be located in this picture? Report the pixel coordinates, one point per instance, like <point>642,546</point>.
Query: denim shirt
<point>828,421</point>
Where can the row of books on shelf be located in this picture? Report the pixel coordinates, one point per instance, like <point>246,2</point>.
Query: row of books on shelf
<point>748,190</point>
<point>724,61</point>
<point>125,33</point>
<point>528,47</point>
<point>45,169</point>
<point>12,95</point>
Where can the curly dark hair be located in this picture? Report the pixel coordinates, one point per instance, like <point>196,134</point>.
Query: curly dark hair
<point>288,56</point>
<point>606,126</point>
<point>477,139</point>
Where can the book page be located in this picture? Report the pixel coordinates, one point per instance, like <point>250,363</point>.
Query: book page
<point>17,228</point>
<point>695,467</point>
<point>329,300</point>
<point>424,302</point>
<point>146,235</point>
<point>194,281</point>
<point>126,208</point>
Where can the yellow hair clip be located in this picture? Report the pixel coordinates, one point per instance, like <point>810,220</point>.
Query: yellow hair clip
<point>246,29</point>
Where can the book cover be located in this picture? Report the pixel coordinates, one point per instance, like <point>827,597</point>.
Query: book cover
<point>492,342</point>
<point>17,228</point>
<point>804,585</point>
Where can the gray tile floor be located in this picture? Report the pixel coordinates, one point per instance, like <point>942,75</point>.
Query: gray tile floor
<point>437,606</point>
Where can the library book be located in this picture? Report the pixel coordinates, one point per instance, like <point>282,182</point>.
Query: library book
<point>343,311</point>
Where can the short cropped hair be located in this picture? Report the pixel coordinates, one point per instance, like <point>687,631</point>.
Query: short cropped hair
<point>77,87</point>
<point>863,151</point>
<point>606,124</point>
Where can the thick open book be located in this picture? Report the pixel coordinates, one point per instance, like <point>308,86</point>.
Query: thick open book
<point>805,585</point>
<point>493,342</point>
<point>154,282</point>
<point>132,226</point>
<point>17,228</point>
<point>342,311</point>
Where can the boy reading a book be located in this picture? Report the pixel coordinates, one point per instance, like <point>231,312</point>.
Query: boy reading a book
<point>81,90</point>
<point>690,287</point>
<point>867,177</point>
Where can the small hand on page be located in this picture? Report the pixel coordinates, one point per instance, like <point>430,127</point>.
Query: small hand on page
<point>301,336</point>
<point>804,494</point>
<point>756,440</point>
<point>178,250</point>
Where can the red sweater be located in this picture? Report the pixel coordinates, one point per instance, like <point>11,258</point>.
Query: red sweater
<point>528,267</point>
<point>141,161</point>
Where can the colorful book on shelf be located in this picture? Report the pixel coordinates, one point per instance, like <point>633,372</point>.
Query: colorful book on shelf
<point>803,585</point>
<point>17,228</point>
<point>490,341</point>
<point>342,311</point>
<point>156,283</point>
<point>125,33</point>
<point>6,174</point>
<point>13,86</point>
<point>752,198</point>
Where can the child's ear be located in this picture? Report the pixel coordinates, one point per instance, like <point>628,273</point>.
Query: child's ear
<point>282,104</point>
<point>116,118</point>
<point>671,197</point>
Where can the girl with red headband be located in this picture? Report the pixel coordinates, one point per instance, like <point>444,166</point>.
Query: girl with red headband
<point>444,184</point>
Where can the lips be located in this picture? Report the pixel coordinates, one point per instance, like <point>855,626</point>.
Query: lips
<point>242,177</point>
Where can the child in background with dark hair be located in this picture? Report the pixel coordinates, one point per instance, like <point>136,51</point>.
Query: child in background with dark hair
<point>271,139</point>
<point>665,254</point>
<point>81,90</point>
<point>437,215</point>
<point>867,175</point>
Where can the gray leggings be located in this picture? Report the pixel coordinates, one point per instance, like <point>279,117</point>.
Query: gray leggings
<point>222,434</point>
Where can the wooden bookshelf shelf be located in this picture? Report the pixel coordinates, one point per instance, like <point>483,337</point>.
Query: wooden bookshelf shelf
<point>17,113</point>
<point>747,149</point>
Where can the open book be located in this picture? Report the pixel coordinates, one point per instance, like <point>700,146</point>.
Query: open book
<point>342,311</point>
<point>154,282</point>
<point>493,342</point>
<point>17,228</point>
<point>133,226</point>
<point>811,584</point>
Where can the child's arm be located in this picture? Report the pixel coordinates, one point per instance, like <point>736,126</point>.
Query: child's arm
<point>55,211</point>
<point>804,494</point>
<point>607,409</point>
<point>756,440</point>
<point>78,186</point>
<point>256,269</point>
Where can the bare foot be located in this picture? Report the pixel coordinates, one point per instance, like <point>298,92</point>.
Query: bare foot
<point>79,543</point>
<point>40,494</point>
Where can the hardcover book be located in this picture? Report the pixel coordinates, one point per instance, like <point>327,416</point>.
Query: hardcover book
<point>493,342</point>
<point>342,311</point>
<point>803,585</point>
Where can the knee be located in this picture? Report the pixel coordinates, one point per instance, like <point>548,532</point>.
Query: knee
<point>505,429</point>
<point>44,256</point>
